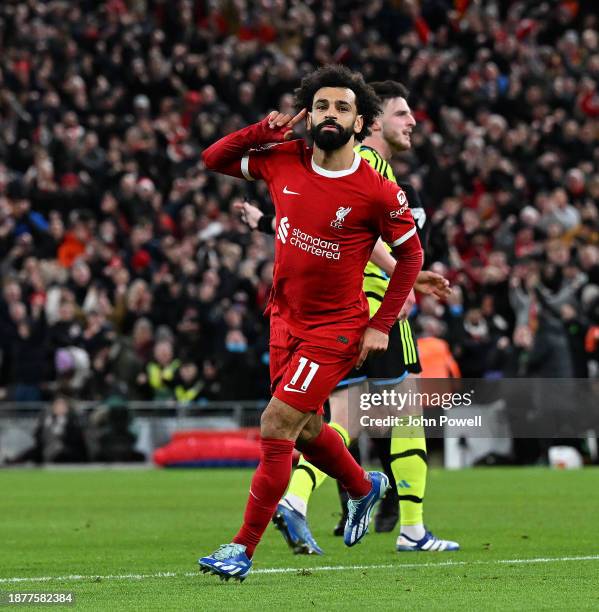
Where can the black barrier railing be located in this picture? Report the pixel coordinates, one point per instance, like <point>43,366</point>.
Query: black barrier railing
<point>244,412</point>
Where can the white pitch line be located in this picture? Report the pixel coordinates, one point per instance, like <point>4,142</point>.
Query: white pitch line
<point>399,566</point>
<point>291,570</point>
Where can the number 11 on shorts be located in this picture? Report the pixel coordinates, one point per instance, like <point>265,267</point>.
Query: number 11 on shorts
<point>313,367</point>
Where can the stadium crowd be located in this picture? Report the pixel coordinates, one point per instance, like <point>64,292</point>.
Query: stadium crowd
<point>124,268</point>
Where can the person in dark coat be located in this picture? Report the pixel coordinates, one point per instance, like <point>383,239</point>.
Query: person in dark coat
<point>59,436</point>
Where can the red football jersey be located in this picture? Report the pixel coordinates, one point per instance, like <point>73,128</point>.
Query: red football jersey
<point>327,223</point>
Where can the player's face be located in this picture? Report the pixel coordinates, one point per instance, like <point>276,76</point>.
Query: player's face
<point>334,118</point>
<point>397,123</point>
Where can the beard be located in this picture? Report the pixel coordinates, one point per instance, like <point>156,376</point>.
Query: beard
<point>329,140</point>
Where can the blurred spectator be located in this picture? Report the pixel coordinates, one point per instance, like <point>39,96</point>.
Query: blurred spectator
<point>110,433</point>
<point>73,370</point>
<point>24,225</point>
<point>159,377</point>
<point>58,436</point>
<point>67,331</point>
<point>212,385</point>
<point>237,364</point>
<point>25,351</point>
<point>435,355</point>
<point>187,383</point>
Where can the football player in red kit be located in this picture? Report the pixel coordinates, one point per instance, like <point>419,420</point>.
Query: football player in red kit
<point>331,206</point>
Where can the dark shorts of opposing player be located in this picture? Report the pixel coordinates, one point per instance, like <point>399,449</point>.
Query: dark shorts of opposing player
<point>390,367</point>
<point>304,374</point>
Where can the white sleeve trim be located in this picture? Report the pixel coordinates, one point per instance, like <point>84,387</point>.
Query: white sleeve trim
<point>245,167</point>
<point>405,237</point>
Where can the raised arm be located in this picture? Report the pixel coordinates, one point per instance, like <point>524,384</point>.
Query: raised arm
<point>427,282</point>
<point>226,155</point>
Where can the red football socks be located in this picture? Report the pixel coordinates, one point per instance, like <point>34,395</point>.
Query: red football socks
<point>328,453</point>
<point>268,485</point>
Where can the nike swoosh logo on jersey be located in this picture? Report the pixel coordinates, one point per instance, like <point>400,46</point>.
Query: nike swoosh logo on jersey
<point>286,191</point>
<point>288,388</point>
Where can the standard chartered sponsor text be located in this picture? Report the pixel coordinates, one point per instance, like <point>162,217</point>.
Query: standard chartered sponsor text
<point>314,245</point>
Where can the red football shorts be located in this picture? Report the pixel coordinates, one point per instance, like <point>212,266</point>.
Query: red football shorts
<point>303,374</point>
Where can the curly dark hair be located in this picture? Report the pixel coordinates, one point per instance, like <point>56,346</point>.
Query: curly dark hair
<point>386,90</point>
<point>335,75</point>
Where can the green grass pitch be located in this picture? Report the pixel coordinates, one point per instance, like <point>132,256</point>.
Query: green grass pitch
<point>129,540</point>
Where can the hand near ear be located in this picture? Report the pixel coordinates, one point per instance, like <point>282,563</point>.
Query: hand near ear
<point>282,124</point>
